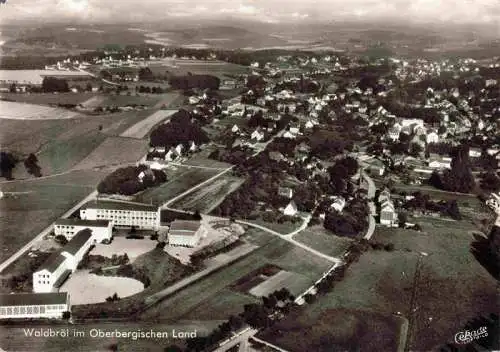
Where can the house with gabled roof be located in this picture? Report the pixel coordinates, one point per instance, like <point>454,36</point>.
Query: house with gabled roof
<point>290,209</point>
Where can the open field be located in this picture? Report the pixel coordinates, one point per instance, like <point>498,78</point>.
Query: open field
<point>320,239</point>
<point>207,198</point>
<point>121,245</point>
<point>114,151</point>
<point>384,281</point>
<point>48,98</point>
<point>38,204</point>
<point>14,339</point>
<point>86,288</point>
<point>276,251</point>
<point>284,228</point>
<point>221,306</point>
<point>61,144</point>
<point>186,179</point>
<point>336,330</point>
<point>93,102</point>
<point>292,281</point>
<point>23,111</point>
<point>182,67</point>
<point>126,100</point>
<point>141,129</point>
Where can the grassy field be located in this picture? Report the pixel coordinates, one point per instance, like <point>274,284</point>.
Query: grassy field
<point>384,282</point>
<point>114,151</point>
<point>184,304</point>
<point>181,182</point>
<point>219,69</point>
<point>61,144</point>
<point>320,239</point>
<point>201,159</point>
<point>209,197</point>
<point>38,204</point>
<point>336,330</point>
<point>124,100</point>
<point>284,228</point>
<point>48,98</point>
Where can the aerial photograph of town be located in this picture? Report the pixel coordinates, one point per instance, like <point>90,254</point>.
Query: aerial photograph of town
<point>249,175</point>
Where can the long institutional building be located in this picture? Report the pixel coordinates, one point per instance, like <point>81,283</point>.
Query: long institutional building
<point>34,305</point>
<point>140,216</point>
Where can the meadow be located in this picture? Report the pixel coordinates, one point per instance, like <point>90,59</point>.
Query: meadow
<point>317,237</point>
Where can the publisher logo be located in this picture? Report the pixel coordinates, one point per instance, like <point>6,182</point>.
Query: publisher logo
<point>467,336</point>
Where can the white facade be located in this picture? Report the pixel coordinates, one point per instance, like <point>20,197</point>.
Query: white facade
<point>142,217</point>
<point>432,138</point>
<point>291,209</point>
<point>101,229</point>
<point>45,279</point>
<point>186,233</point>
<point>34,306</point>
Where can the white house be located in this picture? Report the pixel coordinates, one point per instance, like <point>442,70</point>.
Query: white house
<point>285,192</point>
<point>494,202</point>
<point>290,209</point>
<point>289,135</point>
<point>257,135</point>
<point>235,129</point>
<point>388,215</point>
<point>432,137</point>
<point>101,229</point>
<point>442,163</point>
<point>34,305</point>
<point>186,233</point>
<point>141,216</point>
<point>178,149</point>
<point>338,204</point>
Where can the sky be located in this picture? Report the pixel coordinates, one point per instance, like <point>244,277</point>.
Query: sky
<point>272,11</point>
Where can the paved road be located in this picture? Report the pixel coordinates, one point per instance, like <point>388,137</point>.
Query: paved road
<point>239,338</point>
<point>45,232</point>
<point>371,195</point>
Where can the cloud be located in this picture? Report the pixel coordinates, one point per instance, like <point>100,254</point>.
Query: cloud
<point>456,11</point>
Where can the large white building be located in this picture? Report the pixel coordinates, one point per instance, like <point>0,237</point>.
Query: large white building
<point>34,306</point>
<point>140,216</point>
<point>101,229</point>
<point>186,233</point>
<point>52,274</point>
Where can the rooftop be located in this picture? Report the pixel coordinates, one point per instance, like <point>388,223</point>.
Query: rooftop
<point>79,222</point>
<point>184,227</point>
<point>25,299</point>
<point>77,242</point>
<point>53,262</point>
<point>100,204</point>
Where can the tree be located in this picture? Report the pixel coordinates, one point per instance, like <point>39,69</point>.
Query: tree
<point>415,149</point>
<point>31,165</point>
<point>66,315</point>
<point>53,84</point>
<point>402,218</point>
<point>61,239</point>
<point>490,181</point>
<point>7,164</point>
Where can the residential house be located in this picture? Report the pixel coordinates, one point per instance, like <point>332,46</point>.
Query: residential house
<point>388,215</point>
<point>235,129</point>
<point>285,192</point>
<point>186,233</point>
<point>290,209</point>
<point>338,203</point>
<point>179,149</point>
<point>439,163</point>
<point>257,135</point>
<point>432,137</point>
<point>475,152</point>
<point>289,135</point>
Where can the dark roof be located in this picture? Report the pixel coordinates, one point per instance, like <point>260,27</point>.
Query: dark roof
<point>77,241</point>
<point>79,222</point>
<point>24,299</point>
<point>62,278</point>
<point>53,262</point>
<point>100,204</point>
<point>184,227</point>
